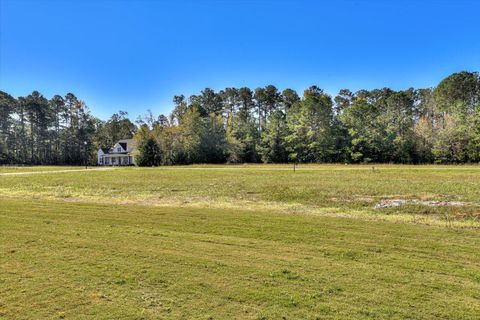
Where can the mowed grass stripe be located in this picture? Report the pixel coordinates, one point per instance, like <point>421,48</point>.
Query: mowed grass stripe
<point>80,260</point>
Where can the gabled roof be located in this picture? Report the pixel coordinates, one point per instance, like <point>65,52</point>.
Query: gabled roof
<point>128,145</point>
<point>128,141</point>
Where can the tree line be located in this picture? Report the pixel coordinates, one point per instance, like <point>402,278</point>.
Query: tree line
<point>239,125</point>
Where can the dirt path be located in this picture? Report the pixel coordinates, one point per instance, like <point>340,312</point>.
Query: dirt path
<point>51,171</point>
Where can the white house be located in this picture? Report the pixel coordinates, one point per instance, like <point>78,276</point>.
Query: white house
<point>122,154</point>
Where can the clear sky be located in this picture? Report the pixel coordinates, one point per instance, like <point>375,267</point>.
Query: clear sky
<point>136,55</point>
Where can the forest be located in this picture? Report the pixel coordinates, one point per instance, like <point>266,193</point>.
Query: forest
<point>243,125</point>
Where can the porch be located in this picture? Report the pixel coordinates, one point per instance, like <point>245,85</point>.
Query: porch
<point>118,160</point>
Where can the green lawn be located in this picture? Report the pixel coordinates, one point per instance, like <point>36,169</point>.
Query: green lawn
<point>13,169</point>
<point>337,190</point>
<point>228,242</point>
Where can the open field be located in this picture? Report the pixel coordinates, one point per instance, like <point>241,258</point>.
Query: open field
<point>321,190</point>
<point>13,169</point>
<point>245,242</point>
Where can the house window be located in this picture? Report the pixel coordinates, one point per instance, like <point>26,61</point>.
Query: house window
<point>119,149</point>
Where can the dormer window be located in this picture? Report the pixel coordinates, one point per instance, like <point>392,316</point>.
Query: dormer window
<point>119,149</point>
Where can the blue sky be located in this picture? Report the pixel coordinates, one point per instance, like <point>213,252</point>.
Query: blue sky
<point>136,55</point>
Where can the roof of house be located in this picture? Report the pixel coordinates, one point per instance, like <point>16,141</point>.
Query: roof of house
<point>128,141</point>
<point>127,144</point>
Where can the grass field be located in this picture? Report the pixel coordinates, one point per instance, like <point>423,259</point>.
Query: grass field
<point>15,169</point>
<point>244,242</point>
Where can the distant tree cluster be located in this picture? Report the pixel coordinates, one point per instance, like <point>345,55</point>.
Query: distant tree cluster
<point>59,131</point>
<point>440,125</point>
<point>238,125</point>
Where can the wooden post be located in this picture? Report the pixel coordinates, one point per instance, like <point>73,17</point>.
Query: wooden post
<point>85,155</point>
